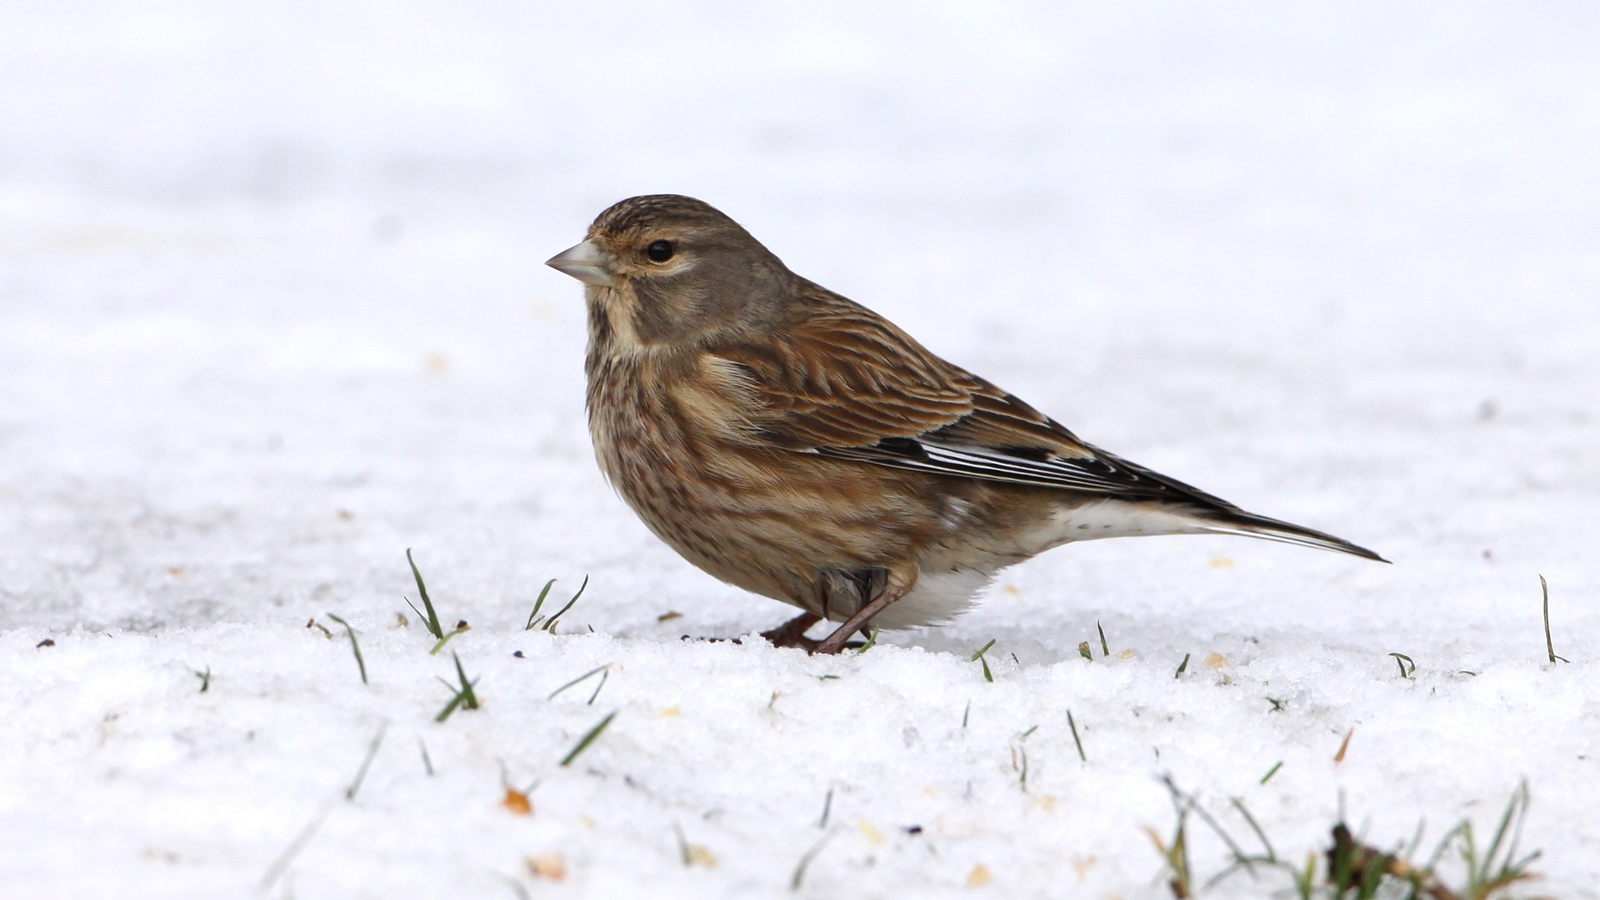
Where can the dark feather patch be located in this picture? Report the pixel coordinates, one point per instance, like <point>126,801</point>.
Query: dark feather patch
<point>1034,454</point>
<point>905,447</point>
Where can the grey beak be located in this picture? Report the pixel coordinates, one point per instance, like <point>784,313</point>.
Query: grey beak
<point>585,262</point>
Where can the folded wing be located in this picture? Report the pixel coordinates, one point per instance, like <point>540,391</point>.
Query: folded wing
<point>847,384</point>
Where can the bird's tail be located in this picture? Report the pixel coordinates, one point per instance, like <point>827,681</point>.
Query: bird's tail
<point>1251,525</point>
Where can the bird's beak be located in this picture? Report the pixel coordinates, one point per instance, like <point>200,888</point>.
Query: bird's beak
<point>585,262</point>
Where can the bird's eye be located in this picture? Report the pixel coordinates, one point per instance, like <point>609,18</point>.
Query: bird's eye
<point>660,251</point>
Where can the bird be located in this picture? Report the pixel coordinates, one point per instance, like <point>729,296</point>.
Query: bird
<point>796,444</point>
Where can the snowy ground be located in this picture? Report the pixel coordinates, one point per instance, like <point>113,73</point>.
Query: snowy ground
<point>272,310</point>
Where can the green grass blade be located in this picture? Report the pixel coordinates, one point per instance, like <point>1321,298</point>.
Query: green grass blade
<point>1272,856</point>
<point>1549,645</point>
<point>461,626</point>
<point>431,620</point>
<point>366,763</point>
<point>471,701</point>
<point>355,646</point>
<point>799,876</point>
<point>588,739</point>
<point>550,626</point>
<point>594,671</point>
<point>534,617</point>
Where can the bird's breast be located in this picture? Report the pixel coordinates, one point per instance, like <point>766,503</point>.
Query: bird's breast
<point>658,413</point>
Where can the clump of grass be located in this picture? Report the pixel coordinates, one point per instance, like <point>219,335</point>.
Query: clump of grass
<point>430,621</point>
<point>1182,876</point>
<point>1351,869</point>
<point>979,657</point>
<point>535,620</point>
<point>1549,645</point>
<point>464,697</point>
<point>1404,661</point>
<point>355,646</point>
<point>583,744</point>
<point>1499,865</point>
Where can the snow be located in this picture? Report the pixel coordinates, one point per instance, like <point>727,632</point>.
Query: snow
<point>272,310</point>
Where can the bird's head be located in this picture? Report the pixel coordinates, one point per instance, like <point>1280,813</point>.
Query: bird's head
<point>669,271</point>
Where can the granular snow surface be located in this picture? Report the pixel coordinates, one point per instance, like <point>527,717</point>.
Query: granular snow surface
<point>273,310</point>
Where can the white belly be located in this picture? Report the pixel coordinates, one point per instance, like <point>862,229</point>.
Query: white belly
<point>947,587</point>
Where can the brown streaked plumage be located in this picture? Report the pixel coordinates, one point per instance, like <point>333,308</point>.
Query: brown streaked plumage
<point>796,444</point>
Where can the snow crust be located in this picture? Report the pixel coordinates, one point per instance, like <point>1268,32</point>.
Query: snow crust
<point>272,310</point>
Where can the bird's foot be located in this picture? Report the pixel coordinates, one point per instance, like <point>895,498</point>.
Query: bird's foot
<point>790,634</point>
<point>793,633</point>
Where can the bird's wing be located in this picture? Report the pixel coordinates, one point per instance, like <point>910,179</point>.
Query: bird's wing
<point>847,384</point>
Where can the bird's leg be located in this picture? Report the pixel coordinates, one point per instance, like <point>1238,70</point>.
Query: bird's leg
<point>834,642</point>
<point>853,588</point>
<point>884,586</point>
<point>793,632</point>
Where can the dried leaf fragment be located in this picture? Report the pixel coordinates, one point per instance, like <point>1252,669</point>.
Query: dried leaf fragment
<point>517,802</point>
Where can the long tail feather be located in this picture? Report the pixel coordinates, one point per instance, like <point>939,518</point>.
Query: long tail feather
<point>1251,525</point>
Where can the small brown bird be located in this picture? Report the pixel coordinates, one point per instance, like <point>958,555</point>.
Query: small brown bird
<point>800,446</point>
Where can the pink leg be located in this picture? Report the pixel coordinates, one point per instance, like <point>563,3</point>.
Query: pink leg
<point>835,642</point>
